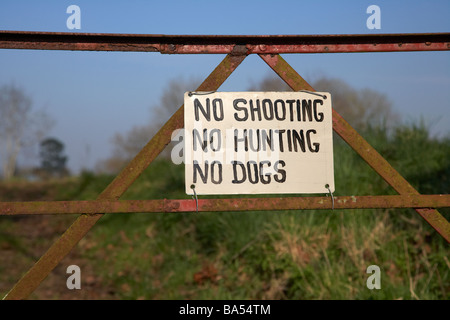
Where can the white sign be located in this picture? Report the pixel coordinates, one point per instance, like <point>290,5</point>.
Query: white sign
<point>258,142</point>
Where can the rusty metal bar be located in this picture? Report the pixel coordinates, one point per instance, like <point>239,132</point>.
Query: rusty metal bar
<point>31,280</point>
<point>224,44</point>
<point>237,47</point>
<point>361,146</point>
<point>218,205</point>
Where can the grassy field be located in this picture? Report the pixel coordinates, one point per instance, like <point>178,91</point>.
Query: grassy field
<point>254,255</point>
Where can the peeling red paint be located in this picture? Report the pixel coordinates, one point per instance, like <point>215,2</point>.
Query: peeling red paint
<point>237,48</point>
<point>224,44</point>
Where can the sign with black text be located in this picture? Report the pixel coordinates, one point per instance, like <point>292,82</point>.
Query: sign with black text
<point>258,142</point>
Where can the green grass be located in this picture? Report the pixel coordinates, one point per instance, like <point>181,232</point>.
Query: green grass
<point>313,254</point>
<point>284,255</point>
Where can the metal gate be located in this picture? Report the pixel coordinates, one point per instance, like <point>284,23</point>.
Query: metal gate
<point>236,48</point>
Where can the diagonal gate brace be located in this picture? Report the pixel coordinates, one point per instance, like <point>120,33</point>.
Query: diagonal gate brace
<point>361,146</point>
<point>31,280</point>
<point>268,49</point>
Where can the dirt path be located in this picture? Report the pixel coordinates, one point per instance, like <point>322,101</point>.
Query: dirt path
<point>24,239</point>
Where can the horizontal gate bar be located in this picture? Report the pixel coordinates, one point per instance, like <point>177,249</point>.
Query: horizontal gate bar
<point>224,44</point>
<point>31,280</point>
<point>230,204</point>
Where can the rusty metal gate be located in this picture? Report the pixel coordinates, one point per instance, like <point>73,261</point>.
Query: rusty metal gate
<point>236,48</point>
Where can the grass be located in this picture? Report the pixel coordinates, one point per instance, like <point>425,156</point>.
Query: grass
<point>272,255</point>
<point>321,254</point>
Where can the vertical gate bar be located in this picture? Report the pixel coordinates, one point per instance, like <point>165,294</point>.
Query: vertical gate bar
<point>31,280</point>
<point>360,145</point>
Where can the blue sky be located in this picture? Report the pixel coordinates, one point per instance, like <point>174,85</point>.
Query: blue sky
<point>93,95</point>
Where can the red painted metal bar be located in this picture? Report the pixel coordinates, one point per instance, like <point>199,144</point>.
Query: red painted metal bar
<point>361,146</point>
<point>224,44</point>
<point>31,280</point>
<point>229,204</point>
<point>237,47</point>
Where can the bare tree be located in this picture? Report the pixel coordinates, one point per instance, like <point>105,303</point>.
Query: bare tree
<point>127,145</point>
<point>270,83</point>
<point>361,108</point>
<point>19,126</point>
